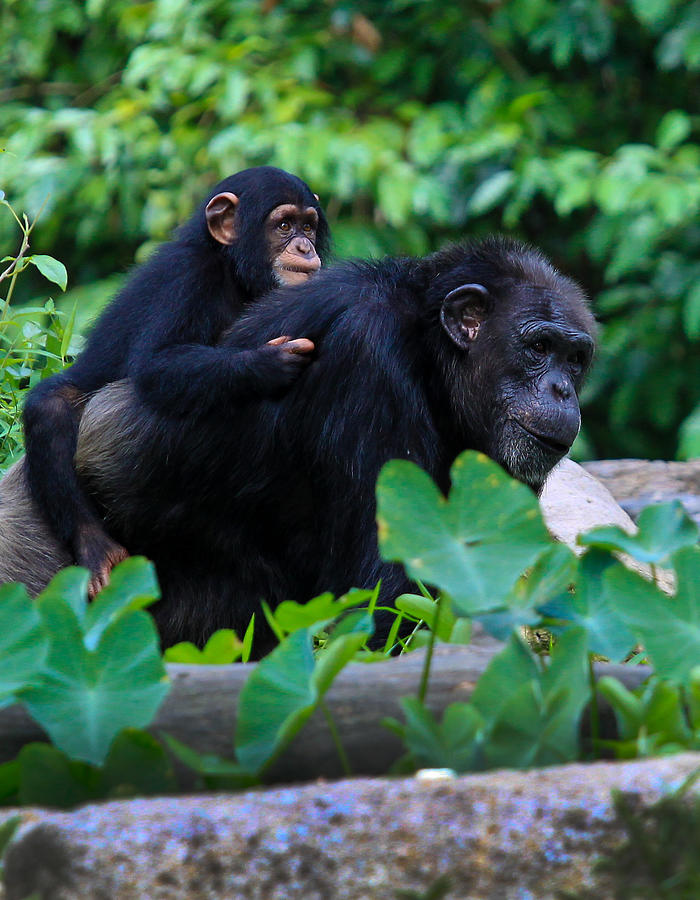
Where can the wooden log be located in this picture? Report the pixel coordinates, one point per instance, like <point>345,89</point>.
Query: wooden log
<point>200,709</point>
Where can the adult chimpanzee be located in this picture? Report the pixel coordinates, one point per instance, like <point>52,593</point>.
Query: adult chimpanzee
<point>258,229</point>
<point>478,347</point>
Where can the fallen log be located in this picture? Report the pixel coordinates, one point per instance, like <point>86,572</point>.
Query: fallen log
<point>200,709</point>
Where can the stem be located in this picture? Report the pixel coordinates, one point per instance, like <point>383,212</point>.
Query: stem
<point>655,574</point>
<point>595,711</point>
<point>423,689</point>
<point>424,590</point>
<point>13,270</point>
<point>342,755</point>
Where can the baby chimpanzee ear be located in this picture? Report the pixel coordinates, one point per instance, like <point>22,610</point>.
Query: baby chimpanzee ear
<point>462,312</point>
<point>220,214</point>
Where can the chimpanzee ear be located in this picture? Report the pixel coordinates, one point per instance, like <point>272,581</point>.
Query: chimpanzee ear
<point>220,214</point>
<point>462,312</point>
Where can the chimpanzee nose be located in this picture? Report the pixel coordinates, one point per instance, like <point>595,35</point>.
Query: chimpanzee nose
<point>302,246</point>
<point>562,388</point>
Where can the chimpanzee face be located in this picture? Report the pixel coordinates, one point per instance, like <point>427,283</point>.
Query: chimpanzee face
<point>526,349</point>
<point>290,233</point>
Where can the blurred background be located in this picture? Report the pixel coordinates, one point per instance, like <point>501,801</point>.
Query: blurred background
<point>574,124</point>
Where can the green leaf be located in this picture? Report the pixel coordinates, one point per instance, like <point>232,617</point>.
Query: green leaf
<point>185,652</point>
<point>649,719</point>
<point>85,698</point>
<point>285,687</point>
<point>553,573</point>
<point>9,826</point>
<point>23,643</point>
<point>568,669</point>
<point>222,648</point>
<point>514,665</point>
<point>472,547</point>
<point>673,129</point>
<point>452,744</point>
<point>216,771</point>
<point>691,312</point>
<point>689,436</point>
<point>276,700</point>
<point>669,628</point>
<point>51,269</point>
<point>594,608</point>
<point>291,616</point>
<point>68,331</point>
<point>425,609</point>
<point>132,585</point>
<point>340,650</point>
<point>529,728</point>
<point>663,529</point>
<point>137,765</point>
<point>491,192</point>
<point>49,778</point>
<point>70,586</point>
<point>247,648</point>
<point>10,777</point>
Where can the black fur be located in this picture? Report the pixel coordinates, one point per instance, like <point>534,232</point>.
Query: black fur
<point>278,503</point>
<point>162,330</point>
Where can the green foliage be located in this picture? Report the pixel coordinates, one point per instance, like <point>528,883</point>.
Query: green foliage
<point>571,123</point>
<point>284,690</point>
<point>33,341</point>
<point>475,546</point>
<point>663,529</point>
<point>91,674</point>
<point>222,648</point>
<point>659,857</point>
<point>522,713</point>
<point>84,672</point>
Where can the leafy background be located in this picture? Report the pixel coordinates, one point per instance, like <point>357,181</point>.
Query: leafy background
<point>573,124</point>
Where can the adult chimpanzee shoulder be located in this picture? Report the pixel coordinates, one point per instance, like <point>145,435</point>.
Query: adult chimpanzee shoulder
<point>256,230</point>
<point>481,347</point>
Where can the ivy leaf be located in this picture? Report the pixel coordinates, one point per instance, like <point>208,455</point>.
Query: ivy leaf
<point>450,744</point>
<point>528,731</point>
<point>668,627</point>
<point>663,529</point>
<point>222,648</point>
<point>284,689</point>
<point>47,777</point>
<point>473,546</point>
<point>132,585</point>
<point>85,697</point>
<point>592,607</point>
<point>23,643</point>
<point>276,701</point>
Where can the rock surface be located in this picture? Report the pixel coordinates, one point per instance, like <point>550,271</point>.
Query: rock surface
<point>635,483</point>
<point>502,835</point>
<point>574,501</point>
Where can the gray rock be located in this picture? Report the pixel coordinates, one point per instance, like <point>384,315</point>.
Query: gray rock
<point>635,483</point>
<point>574,501</point>
<point>502,835</point>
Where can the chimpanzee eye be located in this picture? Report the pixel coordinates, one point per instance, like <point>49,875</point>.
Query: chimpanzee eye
<point>307,228</point>
<point>284,226</point>
<point>540,347</point>
<point>576,359</point>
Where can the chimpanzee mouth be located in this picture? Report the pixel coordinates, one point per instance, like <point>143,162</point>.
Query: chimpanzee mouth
<point>300,270</point>
<point>548,443</point>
